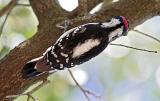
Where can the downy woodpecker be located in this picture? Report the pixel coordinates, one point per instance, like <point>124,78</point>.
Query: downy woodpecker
<point>76,46</point>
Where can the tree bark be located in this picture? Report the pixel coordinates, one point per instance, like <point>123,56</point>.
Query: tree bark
<point>49,13</point>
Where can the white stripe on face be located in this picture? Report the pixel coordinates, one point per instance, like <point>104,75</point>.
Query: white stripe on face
<point>82,48</point>
<point>112,23</point>
<point>115,34</point>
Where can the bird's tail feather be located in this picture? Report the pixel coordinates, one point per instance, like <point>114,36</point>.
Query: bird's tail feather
<point>30,70</point>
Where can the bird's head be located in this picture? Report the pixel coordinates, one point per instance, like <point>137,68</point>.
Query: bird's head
<point>116,27</point>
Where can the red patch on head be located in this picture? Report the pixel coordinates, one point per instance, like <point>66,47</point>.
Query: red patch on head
<point>126,24</point>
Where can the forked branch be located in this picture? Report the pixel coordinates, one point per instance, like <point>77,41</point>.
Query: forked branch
<point>84,91</point>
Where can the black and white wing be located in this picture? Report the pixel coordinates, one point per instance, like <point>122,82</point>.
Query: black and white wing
<point>75,46</point>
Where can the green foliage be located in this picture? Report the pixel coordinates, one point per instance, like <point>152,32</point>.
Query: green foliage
<point>20,23</point>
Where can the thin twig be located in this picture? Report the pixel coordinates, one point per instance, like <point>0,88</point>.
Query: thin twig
<point>158,40</point>
<point>133,48</point>
<point>63,25</point>
<point>3,24</point>
<point>27,5</point>
<point>84,91</point>
<point>8,7</point>
<point>70,72</point>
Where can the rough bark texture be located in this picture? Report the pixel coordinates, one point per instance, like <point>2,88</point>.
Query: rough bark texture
<point>49,14</point>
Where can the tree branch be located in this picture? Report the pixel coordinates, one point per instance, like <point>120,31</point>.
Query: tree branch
<point>47,10</point>
<point>137,11</point>
<point>84,6</point>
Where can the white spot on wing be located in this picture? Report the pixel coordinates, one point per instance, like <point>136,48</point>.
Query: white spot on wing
<point>85,47</point>
<point>64,55</point>
<point>61,66</point>
<point>72,64</point>
<point>47,57</point>
<point>57,61</point>
<point>62,47</point>
<point>50,63</point>
<point>47,60</point>
<point>54,54</point>
<point>52,47</point>
<point>60,40</point>
<point>59,44</point>
<point>67,60</point>
<point>52,67</point>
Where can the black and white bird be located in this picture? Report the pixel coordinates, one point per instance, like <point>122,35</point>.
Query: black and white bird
<point>76,46</point>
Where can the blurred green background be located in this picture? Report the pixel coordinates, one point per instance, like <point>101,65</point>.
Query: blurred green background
<point>117,74</point>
